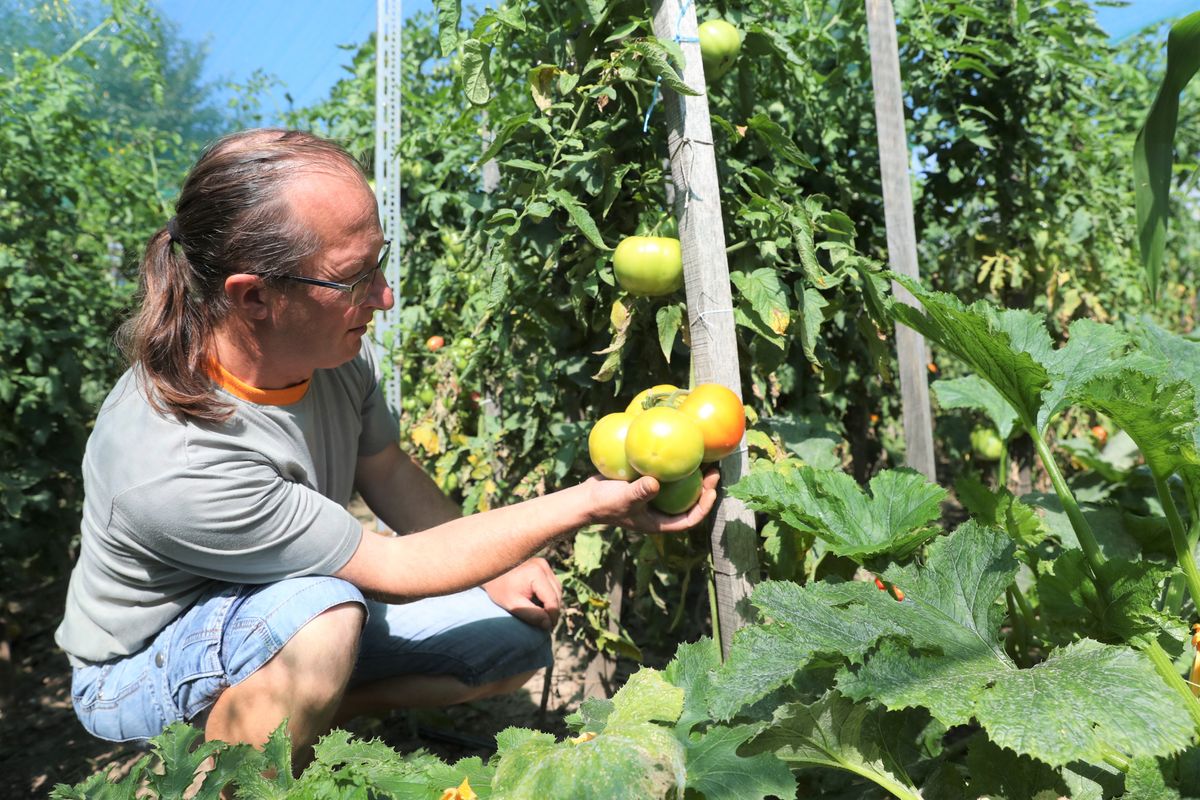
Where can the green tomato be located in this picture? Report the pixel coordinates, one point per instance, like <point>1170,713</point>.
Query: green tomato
<point>650,266</point>
<point>664,442</point>
<point>606,446</point>
<point>425,395</point>
<point>720,43</point>
<point>678,496</point>
<point>987,444</point>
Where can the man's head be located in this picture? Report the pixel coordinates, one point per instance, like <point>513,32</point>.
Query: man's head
<point>259,209</point>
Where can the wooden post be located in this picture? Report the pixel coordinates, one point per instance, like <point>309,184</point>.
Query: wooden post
<point>710,305</point>
<point>901,232</point>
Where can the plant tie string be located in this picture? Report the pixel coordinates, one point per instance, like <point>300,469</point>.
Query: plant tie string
<point>679,39</point>
<point>685,142</point>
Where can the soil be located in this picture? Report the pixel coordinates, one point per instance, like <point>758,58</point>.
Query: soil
<point>42,744</point>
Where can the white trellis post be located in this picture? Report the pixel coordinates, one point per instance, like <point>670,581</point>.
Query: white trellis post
<point>710,304</point>
<point>901,231</point>
<point>387,177</point>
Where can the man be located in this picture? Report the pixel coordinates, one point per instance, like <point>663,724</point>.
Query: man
<point>220,578</point>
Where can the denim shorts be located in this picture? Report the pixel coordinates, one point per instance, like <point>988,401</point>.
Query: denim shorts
<point>234,629</point>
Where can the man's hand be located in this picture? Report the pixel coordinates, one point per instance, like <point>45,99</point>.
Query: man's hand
<point>530,592</point>
<point>627,504</point>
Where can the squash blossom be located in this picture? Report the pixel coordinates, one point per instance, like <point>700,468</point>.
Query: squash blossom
<point>463,792</point>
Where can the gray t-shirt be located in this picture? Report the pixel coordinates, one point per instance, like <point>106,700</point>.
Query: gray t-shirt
<point>170,507</point>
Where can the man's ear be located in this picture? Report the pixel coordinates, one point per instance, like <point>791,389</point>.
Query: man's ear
<point>247,295</point>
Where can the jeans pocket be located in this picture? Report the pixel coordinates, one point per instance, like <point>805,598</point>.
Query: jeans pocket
<point>116,701</point>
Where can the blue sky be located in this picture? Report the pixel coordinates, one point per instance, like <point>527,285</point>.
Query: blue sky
<point>297,40</point>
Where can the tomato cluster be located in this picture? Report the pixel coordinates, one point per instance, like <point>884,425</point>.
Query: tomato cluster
<point>667,432</point>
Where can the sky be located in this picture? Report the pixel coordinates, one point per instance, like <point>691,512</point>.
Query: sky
<point>297,40</point>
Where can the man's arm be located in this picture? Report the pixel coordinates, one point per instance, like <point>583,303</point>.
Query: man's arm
<point>459,553</point>
<point>400,493</point>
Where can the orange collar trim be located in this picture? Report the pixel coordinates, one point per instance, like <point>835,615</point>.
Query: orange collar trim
<point>263,397</point>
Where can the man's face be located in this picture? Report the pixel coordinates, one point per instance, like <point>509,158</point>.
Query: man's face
<point>319,326</point>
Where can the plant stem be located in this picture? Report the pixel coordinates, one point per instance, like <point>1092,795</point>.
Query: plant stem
<point>1179,538</point>
<point>1166,669</point>
<point>1083,531</point>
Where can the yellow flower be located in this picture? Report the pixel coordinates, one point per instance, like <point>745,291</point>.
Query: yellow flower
<point>463,792</point>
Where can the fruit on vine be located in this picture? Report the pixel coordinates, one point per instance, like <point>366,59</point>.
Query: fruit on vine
<point>650,266</point>
<point>986,443</point>
<point>719,414</point>
<point>1100,434</point>
<point>606,446</point>
<point>678,496</point>
<point>664,393</point>
<point>664,442</point>
<point>434,343</point>
<point>720,44</point>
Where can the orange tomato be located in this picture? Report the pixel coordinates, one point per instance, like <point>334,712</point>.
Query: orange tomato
<point>719,414</point>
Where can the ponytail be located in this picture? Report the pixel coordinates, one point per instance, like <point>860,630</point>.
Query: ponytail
<point>232,217</point>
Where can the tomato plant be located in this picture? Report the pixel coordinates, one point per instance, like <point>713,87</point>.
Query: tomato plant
<point>719,414</point>
<point>648,265</point>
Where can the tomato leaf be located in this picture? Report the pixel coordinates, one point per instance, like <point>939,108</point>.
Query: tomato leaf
<point>812,317</point>
<point>579,216</point>
<point>658,60</point>
<point>777,140</point>
<point>541,79</point>
<point>669,319</point>
<point>768,313</point>
<point>477,82</point>
<point>449,13</point>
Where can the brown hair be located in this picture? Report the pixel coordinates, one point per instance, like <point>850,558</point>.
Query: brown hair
<point>232,217</point>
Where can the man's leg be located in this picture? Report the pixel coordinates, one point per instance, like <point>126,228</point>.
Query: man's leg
<point>441,651</point>
<point>420,691</point>
<point>304,682</point>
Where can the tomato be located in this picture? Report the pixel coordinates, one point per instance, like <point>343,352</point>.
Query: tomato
<point>661,392</point>
<point>720,43</point>
<point>719,414</point>
<point>434,343</point>
<point>664,442</point>
<point>649,266</point>
<point>678,496</point>
<point>986,443</point>
<point>1100,434</point>
<point>606,446</point>
<point>425,395</point>
<point>453,242</point>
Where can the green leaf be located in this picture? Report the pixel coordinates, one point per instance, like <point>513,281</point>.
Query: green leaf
<point>835,732</point>
<point>715,769</point>
<point>1000,774</point>
<point>449,13</point>
<point>895,517</point>
<point>646,697</point>
<point>1153,151</point>
<point>541,79</point>
<point>691,670</point>
<point>812,317</point>
<point>949,658</point>
<point>1000,509</point>
<point>804,622</point>
<point>658,60</point>
<point>777,140</point>
<point>974,392</point>
<point>1157,412</point>
<point>669,319</point>
<point>978,336</point>
<point>477,82</point>
<point>1088,353</point>
<point>622,762</point>
<point>579,216</point>
<point>762,306</point>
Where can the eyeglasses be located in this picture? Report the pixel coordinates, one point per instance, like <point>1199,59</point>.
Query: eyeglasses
<point>360,287</point>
